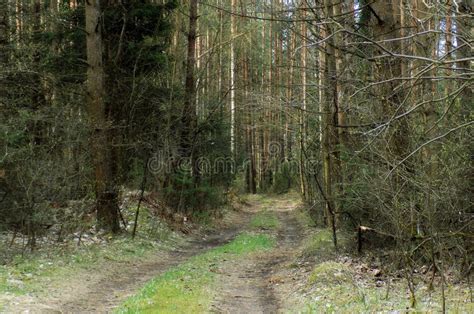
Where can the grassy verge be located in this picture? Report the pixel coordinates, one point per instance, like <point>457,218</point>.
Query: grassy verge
<point>54,262</point>
<point>185,288</point>
<point>319,245</point>
<point>304,218</point>
<point>265,220</point>
<point>29,273</point>
<point>335,286</point>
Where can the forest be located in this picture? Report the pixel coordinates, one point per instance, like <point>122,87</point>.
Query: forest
<point>236,156</point>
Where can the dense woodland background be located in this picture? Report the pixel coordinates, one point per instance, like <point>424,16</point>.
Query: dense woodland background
<point>364,107</point>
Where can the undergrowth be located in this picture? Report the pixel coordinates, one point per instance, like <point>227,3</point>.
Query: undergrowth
<point>335,288</point>
<point>335,285</point>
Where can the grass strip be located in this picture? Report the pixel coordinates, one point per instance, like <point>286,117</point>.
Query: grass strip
<point>266,220</point>
<point>186,288</point>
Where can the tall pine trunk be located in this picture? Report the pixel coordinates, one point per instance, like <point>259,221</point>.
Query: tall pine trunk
<point>329,121</point>
<point>302,113</point>
<point>189,118</point>
<point>105,185</point>
<point>232,76</point>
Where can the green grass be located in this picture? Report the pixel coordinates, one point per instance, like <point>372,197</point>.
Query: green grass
<point>304,219</point>
<point>330,273</point>
<point>55,262</point>
<point>265,220</point>
<point>186,288</point>
<point>334,289</point>
<point>29,273</point>
<point>319,244</point>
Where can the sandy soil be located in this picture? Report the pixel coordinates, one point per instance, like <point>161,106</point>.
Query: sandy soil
<point>262,283</point>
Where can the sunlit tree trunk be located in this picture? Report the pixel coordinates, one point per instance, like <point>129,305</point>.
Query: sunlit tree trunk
<point>19,21</point>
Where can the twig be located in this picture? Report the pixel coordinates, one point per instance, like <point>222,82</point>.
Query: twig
<point>145,172</point>
<point>427,143</point>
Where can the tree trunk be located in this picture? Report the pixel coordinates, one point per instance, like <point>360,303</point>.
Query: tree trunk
<point>386,26</point>
<point>4,30</point>
<point>189,122</point>
<point>19,21</point>
<point>105,185</point>
<point>449,40</point>
<point>289,103</point>
<point>38,129</point>
<point>302,113</point>
<point>465,32</point>
<point>339,112</point>
<point>329,122</point>
<point>232,76</point>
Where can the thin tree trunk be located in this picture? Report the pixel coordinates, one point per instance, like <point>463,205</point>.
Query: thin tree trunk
<point>302,113</point>
<point>329,121</point>
<point>38,129</point>
<point>339,112</point>
<point>19,21</point>
<point>465,29</point>
<point>289,103</point>
<point>199,77</point>
<point>4,30</point>
<point>262,115</point>
<point>449,42</point>
<point>232,76</point>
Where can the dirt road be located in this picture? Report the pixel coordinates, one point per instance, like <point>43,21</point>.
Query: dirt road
<point>260,284</point>
<point>244,287</point>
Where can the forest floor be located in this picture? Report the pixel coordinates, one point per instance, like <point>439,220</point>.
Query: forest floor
<point>102,286</point>
<point>266,257</point>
